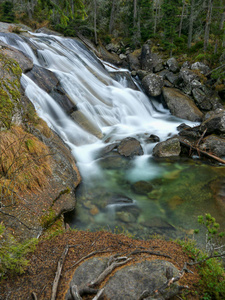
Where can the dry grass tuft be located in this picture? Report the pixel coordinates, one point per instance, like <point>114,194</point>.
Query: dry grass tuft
<point>24,162</point>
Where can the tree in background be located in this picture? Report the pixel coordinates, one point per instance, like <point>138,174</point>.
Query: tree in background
<point>6,12</point>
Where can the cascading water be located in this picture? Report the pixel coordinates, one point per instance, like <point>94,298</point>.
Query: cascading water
<point>144,196</point>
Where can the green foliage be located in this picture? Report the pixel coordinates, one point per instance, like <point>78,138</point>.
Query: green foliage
<point>212,279</point>
<point>13,254</point>
<point>48,219</point>
<point>7,13</point>
<point>212,282</point>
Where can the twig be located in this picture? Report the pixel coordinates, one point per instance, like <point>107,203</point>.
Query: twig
<point>75,293</point>
<point>58,273</point>
<point>34,296</point>
<point>99,294</point>
<point>203,260</point>
<point>87,256</point>
<point>149,252</point>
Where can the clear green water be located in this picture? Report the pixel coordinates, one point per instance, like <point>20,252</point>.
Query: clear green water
<point>173,195</point>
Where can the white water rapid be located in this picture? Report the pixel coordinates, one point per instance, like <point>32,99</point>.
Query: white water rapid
<point>115,112</point>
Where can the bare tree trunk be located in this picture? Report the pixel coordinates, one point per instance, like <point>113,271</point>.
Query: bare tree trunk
<point>182,17</point>
<point>207,25</point>
<point>190,29</point>
<point>112,16</point>
<point>135,14</point>
<point>155,17</point>
<point>95,21</point>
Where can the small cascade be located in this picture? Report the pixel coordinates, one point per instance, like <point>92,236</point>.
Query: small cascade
<point>107,110</point>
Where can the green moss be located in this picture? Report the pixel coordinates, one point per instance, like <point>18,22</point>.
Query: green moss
<point>9,89</point>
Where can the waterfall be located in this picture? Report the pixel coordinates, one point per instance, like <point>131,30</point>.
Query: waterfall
<point>113,111</point>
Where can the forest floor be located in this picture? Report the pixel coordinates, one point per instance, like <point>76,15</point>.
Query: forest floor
<point>39,275</point>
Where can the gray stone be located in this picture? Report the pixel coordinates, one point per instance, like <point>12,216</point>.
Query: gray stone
<point>129,282</point>
<point>181,105</point>
<point>214,122</point>
<point>168,148</point>
<point>142,187</point>
<point>214,144</point>
<point>130,147</point>
<point>158,67</point>
<point>153,84</point>
<point>188,76</point>
<point>173,64</point>
<point>133,61</point>
<point>172,77</point>
<point>146,58</point>
<point>204,69</point>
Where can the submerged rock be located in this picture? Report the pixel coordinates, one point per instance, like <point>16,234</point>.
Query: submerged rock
<point>181,105</point>
<point>142,187</point>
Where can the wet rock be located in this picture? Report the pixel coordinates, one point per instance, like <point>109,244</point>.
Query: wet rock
<point>109,148</point>
<point>114,161</point>
<point>204,69</point>
<point>158,222</point>
<point>125,216</point>
<point>109,57</point>
<point>124,77</point>
<point>214,145</point>
<point>86,124</point>
<point>25,63</point>
<point>152,139</point>
<point>142,187</point>
<point>48,31</point>
<point>173,65</point>
<point>134,63</point>
<point>152,84</point>
<point>168,148</point>
<point>181,105</point>
<point>214,121</point>
<point>130,147</point>
<point>183,126</point>
<point>146,275</point>
<point>120,199</point>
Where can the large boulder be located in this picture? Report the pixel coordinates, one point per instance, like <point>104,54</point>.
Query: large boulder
<point>152,84</point>
<point>23,60</point>
<point>150,61</point>
<point>204,69</point>
<point>214,121</point>
<point>168,148</point>
<point>133,61</point>
<point>173,65</point>
<point>130,281</point>
<point>206,99</point>
<point>181,105</point>
<point>214,144</point>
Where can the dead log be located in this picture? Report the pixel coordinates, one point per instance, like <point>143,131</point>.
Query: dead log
<point>58,273</point>
<point>99,294</point>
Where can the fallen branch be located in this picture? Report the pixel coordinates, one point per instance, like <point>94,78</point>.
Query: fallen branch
<point>87,256</point>
<point>58,273</point>
<point>99,294</point>
<point>207,258</point>
<point>34,296</point>
<point>75,293</point>
<point>202,151</point>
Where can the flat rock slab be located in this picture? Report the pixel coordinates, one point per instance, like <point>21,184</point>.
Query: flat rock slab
<point>128,282</point>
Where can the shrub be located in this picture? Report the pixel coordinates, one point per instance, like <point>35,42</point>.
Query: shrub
<point>13,254</point>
